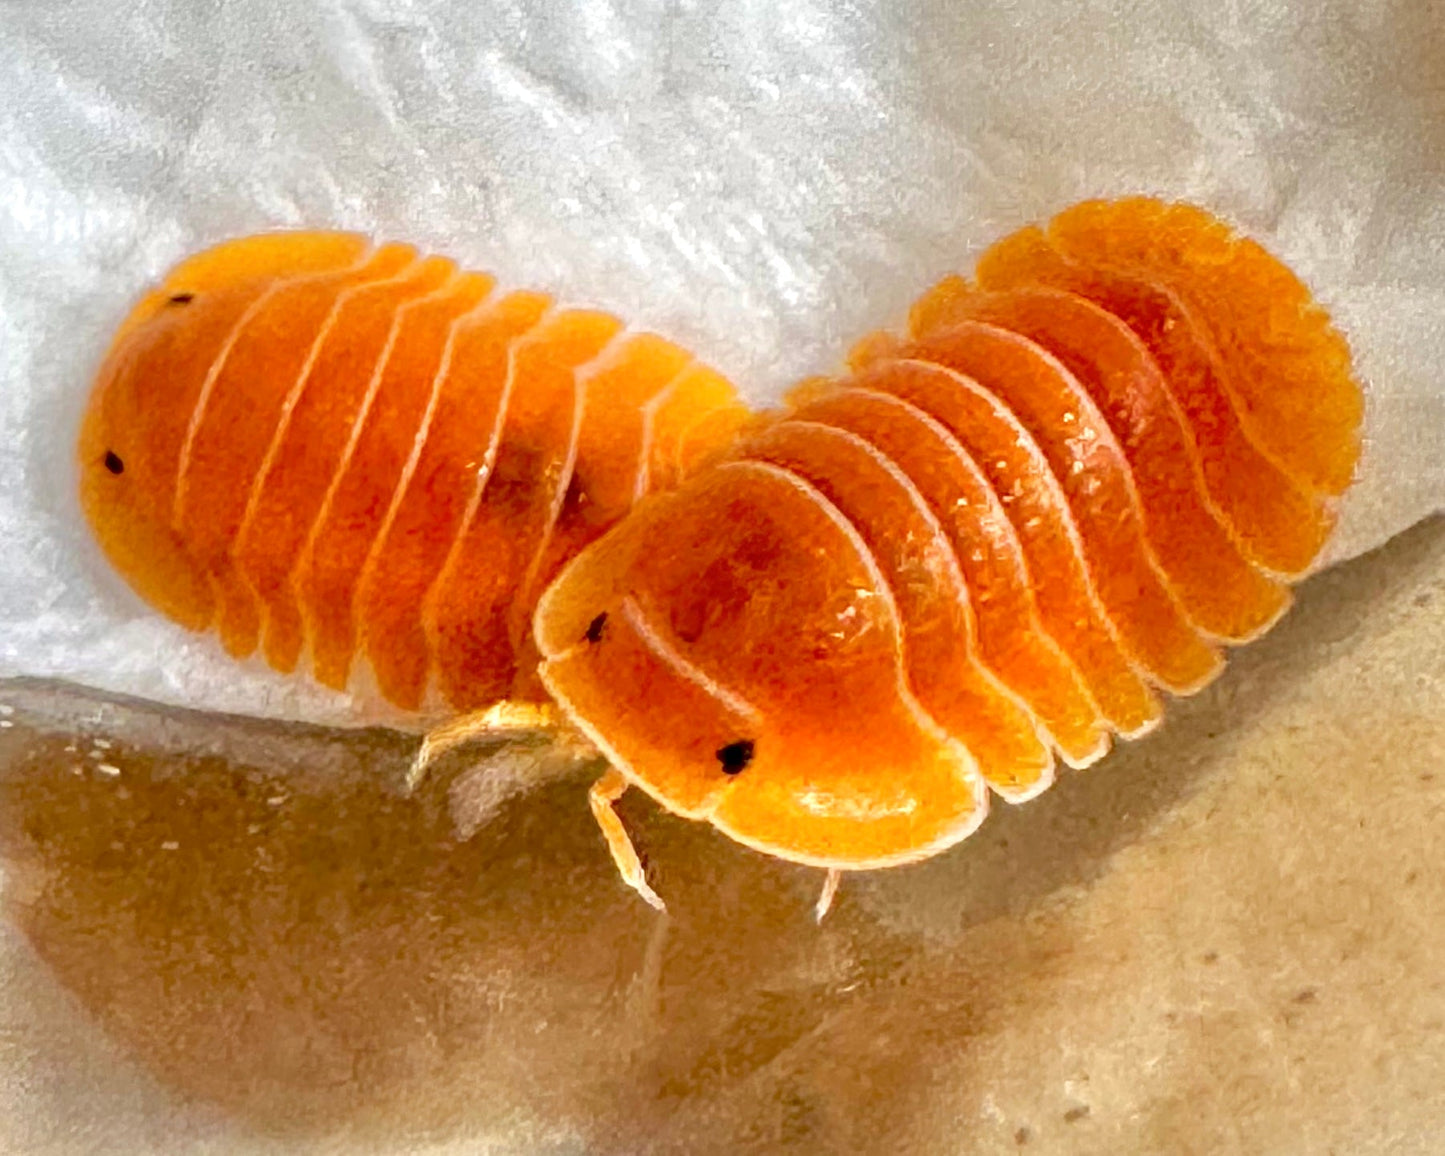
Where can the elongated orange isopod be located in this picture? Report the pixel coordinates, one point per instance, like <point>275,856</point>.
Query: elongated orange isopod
<point>831,631</point>
<point>313,445</point>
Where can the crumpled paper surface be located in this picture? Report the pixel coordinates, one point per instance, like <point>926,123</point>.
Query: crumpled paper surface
<point>223,935</point>
<point>763,181</point>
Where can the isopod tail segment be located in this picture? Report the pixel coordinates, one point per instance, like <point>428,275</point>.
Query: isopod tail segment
<point>998,539</point>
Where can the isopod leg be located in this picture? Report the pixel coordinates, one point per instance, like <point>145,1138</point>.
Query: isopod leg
<point>498,719</point>
<point>606,791</point>
<point>830,890</point>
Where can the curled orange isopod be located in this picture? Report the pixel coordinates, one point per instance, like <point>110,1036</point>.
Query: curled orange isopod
<point>833,630</point>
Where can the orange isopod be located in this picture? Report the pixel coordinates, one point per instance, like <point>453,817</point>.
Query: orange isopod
<point>315,445</point>
<point>832,630</point>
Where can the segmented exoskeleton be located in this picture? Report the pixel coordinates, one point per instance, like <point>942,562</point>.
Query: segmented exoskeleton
<point>829,630</point>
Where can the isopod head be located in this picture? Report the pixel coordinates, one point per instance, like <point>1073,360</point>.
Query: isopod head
<point>732,650</point>
<point>136,421</point>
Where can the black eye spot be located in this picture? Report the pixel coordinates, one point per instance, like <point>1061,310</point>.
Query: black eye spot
<point>735,756</point>
<point>594,628</point>
<point>182,298</point>
<point>113,462</point>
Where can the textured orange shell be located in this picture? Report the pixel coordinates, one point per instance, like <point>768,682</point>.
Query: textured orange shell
<point>317,446</point>
<point>1069,486</point>
<point>831,631</point>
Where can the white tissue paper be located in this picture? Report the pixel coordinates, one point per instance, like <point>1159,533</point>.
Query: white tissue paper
<point>764,181</point>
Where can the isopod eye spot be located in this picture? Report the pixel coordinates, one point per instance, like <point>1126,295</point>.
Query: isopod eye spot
<point>113,462</point>
<point>594,628</point>
<point>735,756</point>
<point>182,298</point>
